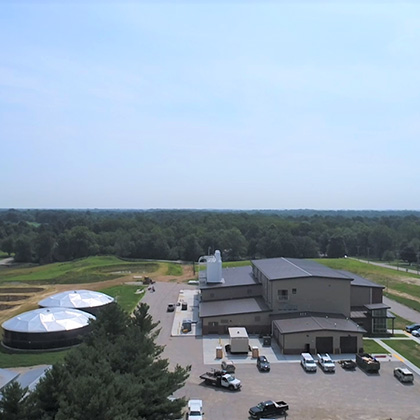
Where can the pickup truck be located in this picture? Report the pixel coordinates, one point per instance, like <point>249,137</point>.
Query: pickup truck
<point>326,363</point>
<point>367,362</point>
<point>221,379</point>
<point>268,408</point>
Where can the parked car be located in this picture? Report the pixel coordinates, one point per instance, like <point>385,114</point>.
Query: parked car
<point>263,364</point>
<point>195,410</point>
<point>268,408</point>
<point>416,333</point>
<point>228,366</point>
<point>403,374</point>
<point>326,363</point>
<point>348,364</point>
<point>171,307</point>
<point>412,327</point>
<point>307,362</point>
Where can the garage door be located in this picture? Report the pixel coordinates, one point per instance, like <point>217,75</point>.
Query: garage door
<point>324,344</point>
<point>348,344</point>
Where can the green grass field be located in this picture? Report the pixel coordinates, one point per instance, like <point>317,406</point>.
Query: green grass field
<point>236,263</point>
<point>410,349</point>
<point>10,359</point>
<point>371,346</point>
<point>86,270</point>
<point>174,269</point>
<point>125,295</point>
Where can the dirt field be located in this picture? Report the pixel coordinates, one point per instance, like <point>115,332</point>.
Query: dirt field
<point>25,297</point>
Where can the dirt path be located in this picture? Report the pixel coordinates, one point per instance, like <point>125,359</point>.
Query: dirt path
<point>49,289</point>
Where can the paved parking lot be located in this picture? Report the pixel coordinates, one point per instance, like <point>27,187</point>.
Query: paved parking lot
<point>319,396</point>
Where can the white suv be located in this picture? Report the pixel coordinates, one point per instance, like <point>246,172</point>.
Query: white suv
<point>403,374</point>
<point>307,362</point>
<point>195,410</point>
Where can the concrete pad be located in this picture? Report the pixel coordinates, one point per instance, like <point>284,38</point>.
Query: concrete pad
<point>273,353</point>
<point>191,298</point>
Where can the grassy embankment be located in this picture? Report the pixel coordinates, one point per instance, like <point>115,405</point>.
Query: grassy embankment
<point>88,270</point>
<point>85,270</point>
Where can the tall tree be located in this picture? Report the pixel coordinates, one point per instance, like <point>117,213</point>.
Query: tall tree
<point>117,373</point>
<point>12,402</point>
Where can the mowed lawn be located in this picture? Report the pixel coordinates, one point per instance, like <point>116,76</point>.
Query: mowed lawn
<point>86,270</point>
<point>125,295</point>
<point>410,349</point>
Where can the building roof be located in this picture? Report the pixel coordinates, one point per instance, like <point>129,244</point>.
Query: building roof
<point>315,323</point>
<point>288,268</point>
<point>232,307</point>
<point>233,276</point>
<point>76,299</point>
<point>357,314</point>
<point>47,320</point>
<point>373,306</point>
<point>360,281</point>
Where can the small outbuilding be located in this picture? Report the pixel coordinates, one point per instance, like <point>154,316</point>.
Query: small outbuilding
<point>318,334</point>
<point>46,328</point>
<point>85,300</point>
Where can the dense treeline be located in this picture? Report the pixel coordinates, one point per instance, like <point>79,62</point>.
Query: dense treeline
<point>45,236</point>
<point>117,373</point>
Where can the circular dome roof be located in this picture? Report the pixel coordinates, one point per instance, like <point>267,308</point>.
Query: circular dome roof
<point>48,320</point>
<point>77,299</point>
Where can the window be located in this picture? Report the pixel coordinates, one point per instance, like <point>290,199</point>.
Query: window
<point>224,321</point>
<point>283,294</point>
<point>293,291</point>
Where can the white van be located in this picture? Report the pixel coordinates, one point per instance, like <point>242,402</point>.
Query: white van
<point>307,362</point>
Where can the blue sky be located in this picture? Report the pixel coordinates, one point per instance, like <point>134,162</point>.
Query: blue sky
<point>219,105</point>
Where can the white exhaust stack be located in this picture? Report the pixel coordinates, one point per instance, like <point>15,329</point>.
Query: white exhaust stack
<point>214,268</point>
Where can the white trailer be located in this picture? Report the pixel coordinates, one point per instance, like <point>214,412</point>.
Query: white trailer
<point>239,340</point>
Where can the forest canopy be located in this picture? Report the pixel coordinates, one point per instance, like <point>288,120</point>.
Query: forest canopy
<point>44,236</point>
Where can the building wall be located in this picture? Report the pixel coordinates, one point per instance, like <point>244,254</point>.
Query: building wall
<point>310,294</point>
<point>360,296</point>
<point>237,292</point>
<point>296,343</point>
<point>377,294</point>
<point>255,323</point>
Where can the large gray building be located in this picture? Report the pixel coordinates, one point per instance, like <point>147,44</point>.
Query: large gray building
<point>304,305</point>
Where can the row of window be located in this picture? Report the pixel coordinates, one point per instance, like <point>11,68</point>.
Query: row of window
<point>283,294</point>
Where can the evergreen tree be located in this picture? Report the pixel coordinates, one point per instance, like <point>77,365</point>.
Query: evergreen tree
<point>117,373</point>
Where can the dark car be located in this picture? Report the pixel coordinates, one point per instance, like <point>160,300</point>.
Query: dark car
<point>412,327</point>
<point>171,307</point>
<point>348,364</point>
<point>263,364</point>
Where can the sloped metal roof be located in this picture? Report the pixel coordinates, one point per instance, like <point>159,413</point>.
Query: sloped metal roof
<point>77,299</point>
<point>288,268</point>
<point>232,307</point>
<point>234,276</point>
<point>316,323</point>
<point>46,320</point>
